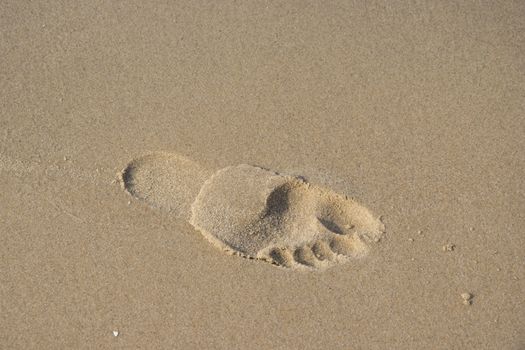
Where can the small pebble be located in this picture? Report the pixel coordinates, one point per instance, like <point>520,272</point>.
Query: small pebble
<point>115,333</point>
<point>411,239</point>
<point>449,247</point>
<point>467,298</point>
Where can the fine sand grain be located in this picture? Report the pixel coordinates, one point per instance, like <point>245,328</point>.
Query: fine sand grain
<point>277,131</point>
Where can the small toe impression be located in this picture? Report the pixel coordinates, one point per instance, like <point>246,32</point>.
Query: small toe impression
<point>322,251</point>
<point>281,257</point>
<point>305,256</point>
<point>348,246</point>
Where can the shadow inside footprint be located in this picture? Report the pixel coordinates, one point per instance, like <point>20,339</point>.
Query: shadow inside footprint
<point>332,226</point>
<point>278,202</point>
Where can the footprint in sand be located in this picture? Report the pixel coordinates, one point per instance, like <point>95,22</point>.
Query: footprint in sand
<point>256,213</point>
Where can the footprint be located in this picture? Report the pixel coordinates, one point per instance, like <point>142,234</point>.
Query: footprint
<point>257,213</point>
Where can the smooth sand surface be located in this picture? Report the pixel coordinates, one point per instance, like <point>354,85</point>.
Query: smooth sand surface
<point>416,111</point>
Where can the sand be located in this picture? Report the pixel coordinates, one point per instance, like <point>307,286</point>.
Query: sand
<point>415,111</point>
<point>256,213</point>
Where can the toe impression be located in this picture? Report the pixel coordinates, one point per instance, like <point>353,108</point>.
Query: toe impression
<point>305,256</point>
<point>347,246</point>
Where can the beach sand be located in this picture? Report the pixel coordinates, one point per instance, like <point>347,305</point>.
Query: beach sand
<point>413,111</point>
